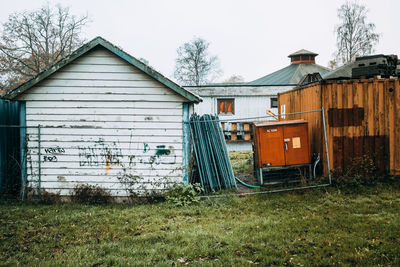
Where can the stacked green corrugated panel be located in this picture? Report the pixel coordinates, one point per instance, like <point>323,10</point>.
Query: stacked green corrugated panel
<point>212,160</point>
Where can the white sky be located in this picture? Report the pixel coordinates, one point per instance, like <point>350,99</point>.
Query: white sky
<point>251,38</point>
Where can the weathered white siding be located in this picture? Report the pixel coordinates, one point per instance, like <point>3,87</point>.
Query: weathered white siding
<point>245,107</point>
<point>105,123</point>
<point>250,101</point>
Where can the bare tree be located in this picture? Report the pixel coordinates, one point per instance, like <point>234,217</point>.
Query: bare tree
<point>194,65</point>
<point>354,36</point>
<point>234,79</point>
<point>332,64</point>
<point>32,41</point>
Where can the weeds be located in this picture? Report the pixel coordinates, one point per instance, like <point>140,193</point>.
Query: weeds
<point>50,198</point>
<point>360,171</point>
<point>90,194</point>
<point>183,195</point>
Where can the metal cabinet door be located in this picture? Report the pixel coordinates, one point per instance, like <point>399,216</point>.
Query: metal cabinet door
<point>271,144</point>
<point>296,147</point>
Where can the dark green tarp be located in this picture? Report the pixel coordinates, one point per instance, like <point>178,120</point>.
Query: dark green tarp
<point>10,167</point>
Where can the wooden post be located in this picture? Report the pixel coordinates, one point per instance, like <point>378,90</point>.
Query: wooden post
<point>246,128</point>
<point>234,131</point>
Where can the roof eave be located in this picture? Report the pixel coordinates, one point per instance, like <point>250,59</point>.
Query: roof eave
<point>151,72</point>
<point>77,53</point>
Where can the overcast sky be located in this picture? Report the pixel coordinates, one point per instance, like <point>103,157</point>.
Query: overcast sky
<point>251,38</point>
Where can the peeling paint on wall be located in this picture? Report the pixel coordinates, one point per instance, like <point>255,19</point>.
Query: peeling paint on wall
<point>99,154</point>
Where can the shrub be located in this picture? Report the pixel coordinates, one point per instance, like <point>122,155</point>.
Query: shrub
<point>183,195</point>
<point>90,194</point>
<point>50,198</point>
<point>361,170</point>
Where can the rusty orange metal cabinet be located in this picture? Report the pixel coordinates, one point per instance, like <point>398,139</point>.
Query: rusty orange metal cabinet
<point>282,143</point>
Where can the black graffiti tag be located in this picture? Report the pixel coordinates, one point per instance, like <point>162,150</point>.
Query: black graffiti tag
<point>51,151</point>
<point>100,154</point>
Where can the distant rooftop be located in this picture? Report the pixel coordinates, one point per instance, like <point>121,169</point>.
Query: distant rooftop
<point>342,72</point>
<point>302,63</point>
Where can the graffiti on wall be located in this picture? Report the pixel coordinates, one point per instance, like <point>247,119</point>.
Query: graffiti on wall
<point>110,154</point>
<point>51,153</point>
<point>100,154</point>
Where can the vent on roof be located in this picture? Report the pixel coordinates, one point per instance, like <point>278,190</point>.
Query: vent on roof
<point>302,56</point>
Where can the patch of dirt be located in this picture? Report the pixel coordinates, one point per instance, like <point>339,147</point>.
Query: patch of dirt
<point>248,179</point>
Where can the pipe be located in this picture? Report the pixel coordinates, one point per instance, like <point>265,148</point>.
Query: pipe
<point>248,185</point>
<point>315,166</point>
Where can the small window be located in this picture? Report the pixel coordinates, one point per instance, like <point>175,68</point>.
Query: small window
<point>305,58</point>
<point>226,106</point>
<point>296,58</point>
<point>274,102</point>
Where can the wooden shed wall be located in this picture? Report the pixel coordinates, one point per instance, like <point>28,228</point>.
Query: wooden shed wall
<point>362,118</point>
<point>104,123</point>
<point>304,100</point>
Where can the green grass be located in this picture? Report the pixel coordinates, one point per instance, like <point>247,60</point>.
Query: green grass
<point>242,162</point>
<point>319,227</point>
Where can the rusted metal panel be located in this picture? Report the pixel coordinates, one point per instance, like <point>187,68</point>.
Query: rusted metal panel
<point>373,149</point>
<point>395,149</point>
<point>270,146</point>
<point>363,120</point>
<point>281,143</point>
<point>345,117</point>
<point>297,145</point>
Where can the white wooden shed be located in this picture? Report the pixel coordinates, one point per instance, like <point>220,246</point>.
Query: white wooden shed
<point>107,120</point>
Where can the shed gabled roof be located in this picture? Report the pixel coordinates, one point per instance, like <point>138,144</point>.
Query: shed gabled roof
<point>99,41</point>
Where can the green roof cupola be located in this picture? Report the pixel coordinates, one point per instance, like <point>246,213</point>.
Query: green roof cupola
<point>302,63</point>
<point>302,56</point>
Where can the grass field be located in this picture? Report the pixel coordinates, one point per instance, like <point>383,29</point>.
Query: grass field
<point>359,226</point>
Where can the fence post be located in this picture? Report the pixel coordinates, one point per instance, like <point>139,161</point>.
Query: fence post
<point>23,147</point>
<point>326,146</point>
<point>186,143</point>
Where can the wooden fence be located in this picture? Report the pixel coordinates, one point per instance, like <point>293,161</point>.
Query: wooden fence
<point>362,119</point>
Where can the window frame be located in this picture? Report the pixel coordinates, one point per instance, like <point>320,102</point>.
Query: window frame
<point>219,100</point>
<point>271,102</point>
